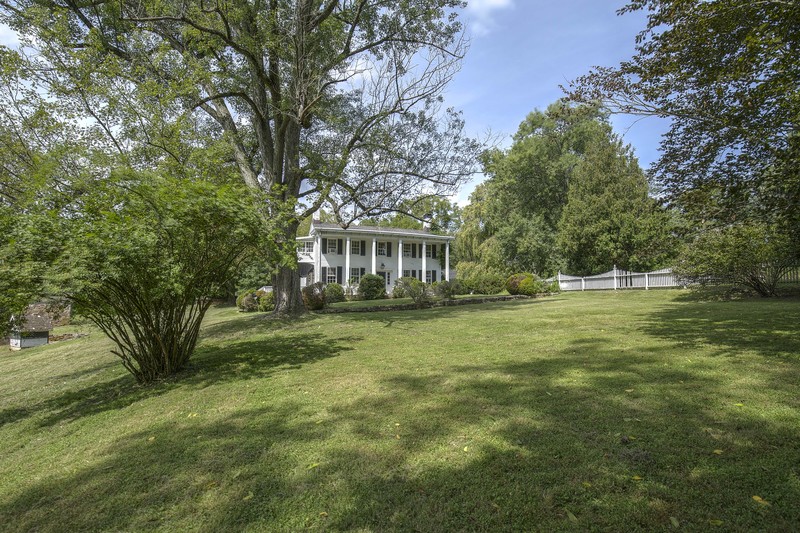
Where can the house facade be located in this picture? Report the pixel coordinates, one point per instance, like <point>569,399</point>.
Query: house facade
<point>332,254</point>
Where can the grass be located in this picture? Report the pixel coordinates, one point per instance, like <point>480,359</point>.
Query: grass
<point>604,411</point>
<point>364,304</point>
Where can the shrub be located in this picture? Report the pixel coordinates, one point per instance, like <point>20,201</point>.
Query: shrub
<point>485,283</point>
<point>314,296</point>
<point>334,293</point>
<point>416,290</point>
<point>399,290</point>
<point>266,301</point>
<point>530,286</point>
<point>144,258</point>
<point>512,283</point>
<point>747,254</point>
<point>247,302</point>
<point>447,289</point>
<point>554,286</point>
<point>372,287</point>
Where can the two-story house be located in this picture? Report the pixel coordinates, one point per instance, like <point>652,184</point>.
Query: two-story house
<point>332,254</point>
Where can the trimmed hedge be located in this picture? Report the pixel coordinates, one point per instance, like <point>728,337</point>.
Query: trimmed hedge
<point>334,293</point>
<point>372,287</point>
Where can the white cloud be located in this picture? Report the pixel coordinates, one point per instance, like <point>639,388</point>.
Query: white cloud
<point>480,14</point>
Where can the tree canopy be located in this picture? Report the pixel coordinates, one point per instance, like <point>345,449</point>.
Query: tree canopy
<point>567,193</point>
<point>726,74</point>
<point>313,103</point>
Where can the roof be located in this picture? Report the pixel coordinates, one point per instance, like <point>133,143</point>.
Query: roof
<point>37,318</point>
<point>377,230</point>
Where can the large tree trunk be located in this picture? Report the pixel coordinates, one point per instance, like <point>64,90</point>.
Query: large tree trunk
<point>288,300</point>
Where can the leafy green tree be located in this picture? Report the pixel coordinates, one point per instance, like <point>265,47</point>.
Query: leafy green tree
<point>609,218</point>
<point>442,216</point>
<point>521,220</point>
<point>312,102</point>
<point>144,258</point>
<point>746,254</point>
<point>725,73</point>
<point>39,159</point>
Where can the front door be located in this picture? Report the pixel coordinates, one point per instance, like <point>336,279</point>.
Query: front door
<point>387,280</point>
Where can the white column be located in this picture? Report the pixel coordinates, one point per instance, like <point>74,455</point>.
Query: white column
<point>374,255</point>
<point>447,261</point>
<point>399,259</point>
<point>346,280</point>
<point>424,260</point>
<point>317,257</point>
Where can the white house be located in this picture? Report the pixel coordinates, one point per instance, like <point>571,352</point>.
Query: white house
<point>332,254</point>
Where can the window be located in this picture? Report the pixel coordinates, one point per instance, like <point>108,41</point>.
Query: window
<point>355,247</point>
<point>355,276</point>
<point>331,278</point>
<point>381,248</point>
<point>331,246</point>
<point>428,249</point>
<point>406,249</point>
<point>406,273</point>
<point>308,247</point>
<point>429,277</point>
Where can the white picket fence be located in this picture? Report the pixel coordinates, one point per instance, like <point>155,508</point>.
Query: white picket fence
<point>624,279</point>
<point>618,279</point>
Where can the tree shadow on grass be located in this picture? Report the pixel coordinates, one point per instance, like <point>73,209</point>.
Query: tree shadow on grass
<point>213,363</point>
<point>768,327</point>
<point>620,440</point>
<point>203,474</point>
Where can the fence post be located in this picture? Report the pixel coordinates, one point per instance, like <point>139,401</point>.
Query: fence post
<point>615,277</point>
<point>583,283</point>
<point>559,280</point>
<point>646,281</point>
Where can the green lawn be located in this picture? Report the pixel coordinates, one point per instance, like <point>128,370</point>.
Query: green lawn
<point>606,411</point>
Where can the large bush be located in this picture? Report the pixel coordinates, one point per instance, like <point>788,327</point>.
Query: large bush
<point>752,255</point>
<point>144,258</point>
<point>416,290</point>
<point>399,290</point>
<point>513,282</point>
<point>247,302</point>
<point>314,296</point>
<point>530,286</point>
<point>372,287</point>
<point>447,290</point>
<point>476,278</point>
<point>266,301</point>
<point>334,293</point>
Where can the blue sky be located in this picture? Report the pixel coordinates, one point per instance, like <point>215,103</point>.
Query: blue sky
<point>521,51</point>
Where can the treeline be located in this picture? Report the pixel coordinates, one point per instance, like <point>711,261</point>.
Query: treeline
<point>567,195</point>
